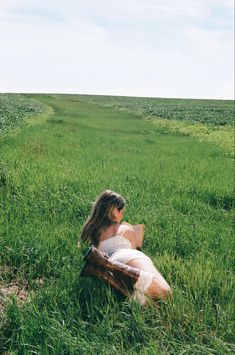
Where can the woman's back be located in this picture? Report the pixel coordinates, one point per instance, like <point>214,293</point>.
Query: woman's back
<point>122,230</point>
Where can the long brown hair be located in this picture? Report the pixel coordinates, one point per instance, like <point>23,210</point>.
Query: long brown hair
<point>101,215</point>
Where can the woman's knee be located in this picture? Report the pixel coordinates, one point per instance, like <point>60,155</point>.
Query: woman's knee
<point>165,291</point>
<point>157,290</point>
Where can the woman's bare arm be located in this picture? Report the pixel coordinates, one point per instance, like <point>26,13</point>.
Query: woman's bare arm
<point>138,233</point>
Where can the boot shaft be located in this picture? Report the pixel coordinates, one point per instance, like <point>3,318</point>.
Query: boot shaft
<point>125,286</point>
<point>94,256</point>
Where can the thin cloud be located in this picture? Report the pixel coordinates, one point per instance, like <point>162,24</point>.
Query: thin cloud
<point>142,48</point>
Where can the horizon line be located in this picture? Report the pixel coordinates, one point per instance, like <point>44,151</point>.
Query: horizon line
<point>115,95</point>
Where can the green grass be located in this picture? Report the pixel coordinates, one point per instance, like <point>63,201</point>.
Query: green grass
<point>179,187</point>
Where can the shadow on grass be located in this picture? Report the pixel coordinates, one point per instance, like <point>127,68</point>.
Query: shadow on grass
<point>226,202</point>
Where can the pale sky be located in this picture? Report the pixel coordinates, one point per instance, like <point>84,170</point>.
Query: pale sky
<point>154,48</point>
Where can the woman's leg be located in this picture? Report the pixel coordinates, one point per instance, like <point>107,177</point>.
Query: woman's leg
<point>158,288</point>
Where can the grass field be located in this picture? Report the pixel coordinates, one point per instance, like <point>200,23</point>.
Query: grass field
<point>181,188</point>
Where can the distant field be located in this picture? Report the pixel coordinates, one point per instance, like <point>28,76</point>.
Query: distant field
<point>206,120</point>
<point>181,188</point>
<point>217,112</point>
<point>14,109</point>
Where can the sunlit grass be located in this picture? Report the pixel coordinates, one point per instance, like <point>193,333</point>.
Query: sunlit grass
<point>223,136</point>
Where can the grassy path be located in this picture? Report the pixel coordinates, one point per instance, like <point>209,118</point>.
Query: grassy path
<point>207,120</point>
<point>179,187</point>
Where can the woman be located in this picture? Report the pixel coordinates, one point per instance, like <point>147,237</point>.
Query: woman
<point>120,241</point>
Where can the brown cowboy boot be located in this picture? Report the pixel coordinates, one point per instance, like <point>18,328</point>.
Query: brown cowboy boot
<point>94,256</point>
<point>127,274</point>
<point>91,270</point>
